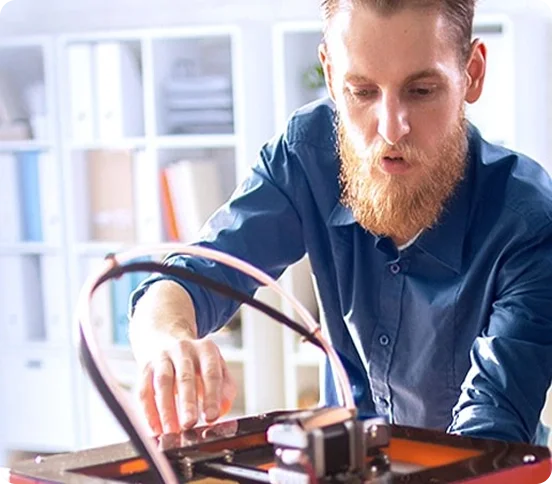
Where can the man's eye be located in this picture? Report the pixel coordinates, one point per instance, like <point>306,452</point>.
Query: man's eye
<point>364,93</point>
<point>421,91</point>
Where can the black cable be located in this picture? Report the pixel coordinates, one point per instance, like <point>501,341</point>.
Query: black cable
<point>224,289</point>
<point>117,270</point>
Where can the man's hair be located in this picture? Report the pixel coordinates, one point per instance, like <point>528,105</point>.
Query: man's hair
<point>458,13</point>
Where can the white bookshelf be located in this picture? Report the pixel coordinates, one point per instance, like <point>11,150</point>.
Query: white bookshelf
<point>509,113</point>
<point>36,370</point>
<point>215,52</point>
<point>77,110</point>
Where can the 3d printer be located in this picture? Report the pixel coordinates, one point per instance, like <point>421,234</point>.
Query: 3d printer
<point>327,445</point>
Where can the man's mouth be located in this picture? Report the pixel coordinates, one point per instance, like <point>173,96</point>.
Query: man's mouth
<point>394,165</point>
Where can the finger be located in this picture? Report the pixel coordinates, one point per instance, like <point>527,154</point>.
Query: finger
<point>184,362</point>
<point>210,364</point>
<point>146,395</point>
<point>163,384</point>
<point>229,390</point>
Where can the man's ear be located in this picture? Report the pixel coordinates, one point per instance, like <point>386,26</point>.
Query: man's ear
<point>327,67</point>
<point>475,71</point>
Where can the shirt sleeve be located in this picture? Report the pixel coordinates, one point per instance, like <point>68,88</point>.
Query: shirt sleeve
<point>259,224</point>
<point>511,361</point>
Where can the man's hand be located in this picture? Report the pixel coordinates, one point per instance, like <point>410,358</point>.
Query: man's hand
<point>181,376</point>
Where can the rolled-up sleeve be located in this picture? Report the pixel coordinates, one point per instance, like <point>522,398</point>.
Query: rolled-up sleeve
<point>511,361</point>
<point>259,224</point>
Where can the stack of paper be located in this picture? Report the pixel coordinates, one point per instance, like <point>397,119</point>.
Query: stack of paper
<point>198,103</point>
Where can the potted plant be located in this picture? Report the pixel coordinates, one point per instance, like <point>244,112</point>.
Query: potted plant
<point>314,80</point>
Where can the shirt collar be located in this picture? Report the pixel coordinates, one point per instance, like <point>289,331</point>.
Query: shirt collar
<point>445,241</point>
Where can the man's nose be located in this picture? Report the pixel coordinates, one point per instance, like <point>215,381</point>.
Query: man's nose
<point>393,122</point>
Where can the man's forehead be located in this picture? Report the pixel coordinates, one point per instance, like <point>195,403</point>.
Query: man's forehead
<point>408,43</point>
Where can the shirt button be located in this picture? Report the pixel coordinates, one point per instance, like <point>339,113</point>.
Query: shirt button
<point>384,340</point>
<point>395,268</point>
<point>382,401</point>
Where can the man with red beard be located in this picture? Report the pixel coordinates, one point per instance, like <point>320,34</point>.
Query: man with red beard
<point>431,248</point>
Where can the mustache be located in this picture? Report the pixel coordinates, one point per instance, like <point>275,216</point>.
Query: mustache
<point>403,149</point>
<point>372,154</point>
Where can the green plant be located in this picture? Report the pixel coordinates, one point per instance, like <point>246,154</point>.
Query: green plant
<point>313,77</point>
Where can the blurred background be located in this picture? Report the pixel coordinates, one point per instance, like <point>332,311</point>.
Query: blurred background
<point>105,107</point>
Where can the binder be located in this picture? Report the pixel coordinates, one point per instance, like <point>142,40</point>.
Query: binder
<point>29,191</point>
<point>21,303</point>
<point>50,199</point>
<point>146,195</point>
<point>10,210</point>
<point>119,91</point>
<point>101,305</point>
<point>53,295</point>
<point>120,293</point>
<point>121,289</point>
<point>80,196</point>
<point>81,91</point>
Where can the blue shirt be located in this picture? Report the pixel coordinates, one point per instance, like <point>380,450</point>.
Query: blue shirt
<point>455,331</point>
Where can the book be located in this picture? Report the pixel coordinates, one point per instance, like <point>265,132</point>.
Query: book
<point>111,192</point>
<point>195,193</point>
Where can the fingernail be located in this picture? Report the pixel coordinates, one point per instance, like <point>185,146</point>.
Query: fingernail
<point>211,413</point>
<point>189,417</point>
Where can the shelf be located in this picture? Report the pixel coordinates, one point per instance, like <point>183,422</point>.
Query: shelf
<point>27,248</point>
<point>196,141</point>
<point>111,144</point>
<point>24,145</point>
<point>101,248</point>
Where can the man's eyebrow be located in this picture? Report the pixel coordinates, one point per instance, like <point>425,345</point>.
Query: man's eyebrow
<point>431,72</point>
<point>423,74</point>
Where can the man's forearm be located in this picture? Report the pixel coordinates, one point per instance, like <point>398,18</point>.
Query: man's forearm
<point>165,308</point>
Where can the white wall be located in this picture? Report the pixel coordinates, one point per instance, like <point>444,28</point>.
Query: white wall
<point>46,16</point>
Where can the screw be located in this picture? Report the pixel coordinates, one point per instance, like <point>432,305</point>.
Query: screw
<point>529,459</point>
<point>228,456</point>
<point>187,468</point>
<point>374,431</point>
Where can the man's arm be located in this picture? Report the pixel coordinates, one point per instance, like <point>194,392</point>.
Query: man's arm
<point>260,225</point>
<point>505,389</point>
